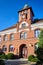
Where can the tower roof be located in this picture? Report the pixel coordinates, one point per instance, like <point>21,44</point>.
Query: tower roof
<point>25,8</point>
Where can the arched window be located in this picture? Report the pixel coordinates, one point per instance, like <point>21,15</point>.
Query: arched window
<point>0,39</point>
<point>11,48</point>
<point>36,47</point>
<point>11,37</point>
<point>23,25</point>
<point>4,48</point>
<point>5,38</point>
<point>23,35</point>
<point>37,33</point>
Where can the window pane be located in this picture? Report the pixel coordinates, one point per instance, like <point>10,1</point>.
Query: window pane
<point>23,25</point>
<point>25,35</point>
<point>36,47</point>
<point>37,33</point>
<point>11,48</point>
<point>21,35</point>
<point>5,38</point>
<point>4,48</point>
<point>12,37</point>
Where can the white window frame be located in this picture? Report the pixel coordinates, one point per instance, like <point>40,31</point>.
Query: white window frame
<point>37,33</point>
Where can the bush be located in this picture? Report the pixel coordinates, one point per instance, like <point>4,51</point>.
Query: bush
<point>32,58</point>
<point>3,56</point>
<point>2,62</point>
<point>40,55</point>
<point>10,56</point>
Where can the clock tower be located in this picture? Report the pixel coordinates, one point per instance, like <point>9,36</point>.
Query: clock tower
<point>26,13</point>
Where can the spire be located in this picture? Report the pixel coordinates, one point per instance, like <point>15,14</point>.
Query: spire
<point>25,6</point>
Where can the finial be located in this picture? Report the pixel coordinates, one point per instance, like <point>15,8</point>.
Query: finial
<point>25,6</point>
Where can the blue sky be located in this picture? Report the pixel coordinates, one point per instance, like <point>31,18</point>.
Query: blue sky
<point>9,11</point>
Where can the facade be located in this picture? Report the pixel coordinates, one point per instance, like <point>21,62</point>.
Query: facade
<point>21,39</point>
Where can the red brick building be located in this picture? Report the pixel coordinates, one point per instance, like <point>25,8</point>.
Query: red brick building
<point>21,39</point>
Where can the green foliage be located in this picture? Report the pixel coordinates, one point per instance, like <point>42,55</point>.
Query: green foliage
<point>10,56</point>
<point>40,43</point>
<point>2,62</point>
<point>3,56</point>
<point>32,58</point>
<point>40,53</point>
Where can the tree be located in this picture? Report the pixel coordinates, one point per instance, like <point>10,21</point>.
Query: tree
<point>39,51</point>
<point>40,43</point>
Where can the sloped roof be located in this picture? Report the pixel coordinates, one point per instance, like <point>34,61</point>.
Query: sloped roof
<point>37,21</point>
<point>25,8</point>
<point>14,26</point>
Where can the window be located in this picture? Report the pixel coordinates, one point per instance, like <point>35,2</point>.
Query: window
<point>5,38</point>
<point>36,47</point>
<point>26,16</point>
<point>23,25</point>
<point>11,37</point>
<point>11,48</point>
<point>23,35</point>
<point>25,11</point>
<point>20,14</point>
<point>0,39</point>
<point>37,33</point>
<point>4,48</point>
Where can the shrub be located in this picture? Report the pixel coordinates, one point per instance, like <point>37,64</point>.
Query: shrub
<point>2,62</point>
<point>40,55</point>
<point>3,56</point>
<point>32,58</point>
<point>10,56</point>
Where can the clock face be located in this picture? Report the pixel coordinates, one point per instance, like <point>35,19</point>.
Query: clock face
<point>23,16</point>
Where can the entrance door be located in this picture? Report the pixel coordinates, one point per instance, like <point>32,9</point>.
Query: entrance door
<point>23,51</point>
